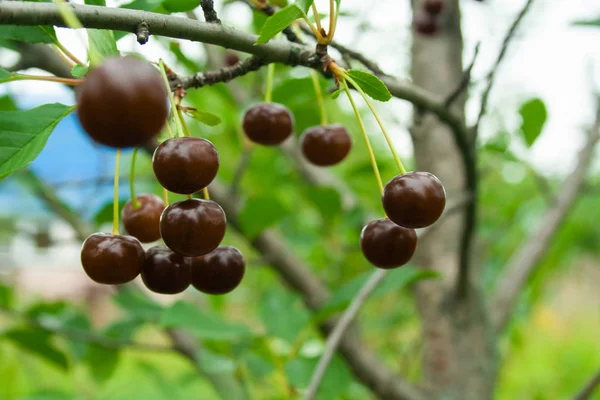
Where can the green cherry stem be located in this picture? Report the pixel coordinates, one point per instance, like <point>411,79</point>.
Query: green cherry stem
<point>67,53</point>
<point>365,136</point>
<point>269,85</point>
<point>66,81</point>
<point>174,108</point>
<point>134,202</point>
<point>115,230</point>
<point>315,80</point>
<point>205,193</point>
<point>379,122</point>
<point>331,20</point>
<point>166,197</point>
<point>183,123</point>
<point>317,17</point>
<point>169,131</point>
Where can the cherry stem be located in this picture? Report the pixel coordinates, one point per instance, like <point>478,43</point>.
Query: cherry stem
<point>166,196</point>
<point>205,193</point>
<point>189,196</point>
<point>379,122</point>
<point>66,52</point>
<point>365,136</point>
<point>134,203</point>
<point>269,85</point>
<point>115,230</point>
<point>183,123</point>
<point>317,17</point>
<point>315,79</point>
<point>169,131</point>
<point>320,38</point>
<point>174,108</point>
<point>66,81</point>
<point>332,16</point>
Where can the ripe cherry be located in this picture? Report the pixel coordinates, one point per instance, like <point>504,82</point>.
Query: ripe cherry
<point>414,200</point>
<point>193,227</point>
<point>112,259</point>
<point>326,145</point>
<point>219,271</point>
<point>268,123</point>
<point>433,7</point>
<point>166,272</point>
<point>123,102</point>
<point>387,245</point>
<point>426,24</point>
<point>185,165</point>
<point>143,222</point>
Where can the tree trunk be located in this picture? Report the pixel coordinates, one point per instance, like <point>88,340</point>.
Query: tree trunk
<point>459,357</point>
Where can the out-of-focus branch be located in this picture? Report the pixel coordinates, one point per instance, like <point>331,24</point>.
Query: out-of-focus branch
<point>208,8</point>
<point>590,387</point>
<point>464,84</point>
<point>524,261</point>
<point>224,74</point>
<point>492,74</point>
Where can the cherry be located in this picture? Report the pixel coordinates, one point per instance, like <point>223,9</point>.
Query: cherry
<point>387,245</point>
<point>142,222</point>
<point>433,7</point>
<point>112,259</point>
<point>166,272</point>
<point>193,227</point>
<point>414,200</point>
<point>231,59</point>
<point>268,123</point>
<point>123,102</point>
<point>425,24</point>
<point>326,145</point>
<point>185,165</point>
<point>219,271</point>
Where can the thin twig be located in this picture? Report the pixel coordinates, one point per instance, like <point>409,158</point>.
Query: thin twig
<point>224,74</point>
<point>208,8</point>
<point>492,74</point>
<point>589,388</point>
<point>464,84</point>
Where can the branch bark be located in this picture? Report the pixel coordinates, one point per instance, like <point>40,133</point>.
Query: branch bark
<point>524,261</point>
<point>590,387</point>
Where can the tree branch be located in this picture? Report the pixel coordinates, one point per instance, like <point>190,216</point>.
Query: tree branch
<point>208,8</point>
<point>525,260</point>
<point>590,387</point>
<point>492,74</point>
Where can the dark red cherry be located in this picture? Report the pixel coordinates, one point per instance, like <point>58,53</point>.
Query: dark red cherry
<point>143,222</point>
<point>193,227</point>
<point>268,123</point>
<point>185,165</point>
<point>387,245</point>
<point>426,24</point>
<point>166,272</point>
<point>123,102</point>
<point>326,145</point>
<point>112,259</point>
<point>433,7</point>
<point>414,200</point>
<point>218,272</point>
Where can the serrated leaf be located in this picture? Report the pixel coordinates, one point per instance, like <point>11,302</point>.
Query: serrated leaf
<point>180,5</point>
<point>29,34</point>
<point>39,343</point>
<point>205,117</point>
<point>370,84</point>
<point>261,212</point>
<point>102,45</point>
<point>23,134</point>
<point>534,115</point>
<point>278,22</point>
<point>282,314</point>
<point>79,71</point>
<point>203,325</point>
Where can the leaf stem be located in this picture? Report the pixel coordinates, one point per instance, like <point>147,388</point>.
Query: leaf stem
<point>183,123</point>
<point>334,18</point>
<point>72,56</point>
<point>66,81</point>
<point>134,202</point>
<point>269,85</point>
<point>365,136</point>
<point>315,80</point>
<point>317,17</point>
<point>174,108</point>
<point>320,38</point>
<point>115,230</point>
<point>379,122</point>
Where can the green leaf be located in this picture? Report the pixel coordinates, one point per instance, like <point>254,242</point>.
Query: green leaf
<point>6,76</point>
<point>394,281</point>
<point>7,103</point>
<point>304,5</point>
<point>79,71</point>
<point>283,314</point>
<point>144,5</point>
<point>101,362</point>
<point>327,200</point>
<point>95,2</point>
<point>180,5</point>
<point>105,213</point>
<point>336,94</point>
<point>102,45</point>
<point>23,134</point>
<point>278,22</point>
<point>138,305</point>
<point>6,296</point>
<point>336,381</point>
<point>203,325</point>
<point>534,115</point>
<point>588,22</point>
<point>370,84</point>
<point>261,212</point>
<point>29,34</point>
<point>39,343</point>
<point>215,363</point>
<point>205,117</point>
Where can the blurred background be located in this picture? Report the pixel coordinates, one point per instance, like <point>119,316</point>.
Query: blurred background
<point>262,333</point>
